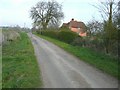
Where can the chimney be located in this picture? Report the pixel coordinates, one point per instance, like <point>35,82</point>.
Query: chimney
<point>72,19</point>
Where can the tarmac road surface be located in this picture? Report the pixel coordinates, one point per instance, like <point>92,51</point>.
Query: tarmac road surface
<point>62,70</point>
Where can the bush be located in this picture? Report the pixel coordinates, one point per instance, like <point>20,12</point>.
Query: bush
<point>49,33</point>
<point>79,41</point>
<point>67,36</point>
<point>64,35</point>
<point>64,28</point>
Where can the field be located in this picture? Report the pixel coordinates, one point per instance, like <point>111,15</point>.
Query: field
<point>19,65</point>
<point>101,61</point>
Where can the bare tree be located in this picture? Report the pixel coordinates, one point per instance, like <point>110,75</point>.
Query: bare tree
<point>116,19</point>
<point>107,9</point>
<point>94,27</point>
<point>45,13</point>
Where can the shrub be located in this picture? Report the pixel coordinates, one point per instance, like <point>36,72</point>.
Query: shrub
<point>64,28</point>
<point>64,35</point>
<point>67,36</point>
<point>94,43</point>
<point>78,41</point>
<point>49,33</point>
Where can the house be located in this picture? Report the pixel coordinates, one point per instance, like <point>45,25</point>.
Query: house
<point>75,26</point>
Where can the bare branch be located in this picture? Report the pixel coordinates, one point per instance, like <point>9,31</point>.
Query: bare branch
<point>104,8</point>
<point>46,12</point>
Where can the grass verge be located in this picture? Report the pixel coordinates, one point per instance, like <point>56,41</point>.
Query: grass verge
<point>19,65</point>
<point>0,59</point>
<point>101,61</point>
<point>0,67</point>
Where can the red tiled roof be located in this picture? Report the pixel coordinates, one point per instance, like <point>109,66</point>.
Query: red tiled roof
<point>75,26</point>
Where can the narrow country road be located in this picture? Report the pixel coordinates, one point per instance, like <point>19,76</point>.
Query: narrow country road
<point>62,70</point>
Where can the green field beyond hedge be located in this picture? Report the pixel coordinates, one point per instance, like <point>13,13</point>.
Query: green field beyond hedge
<point>101,61</point>
<point>19,65</point>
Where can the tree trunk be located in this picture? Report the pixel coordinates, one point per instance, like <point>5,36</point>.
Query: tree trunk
<point>110,14</point>
<point>109,30</point>
<point>44,26</point>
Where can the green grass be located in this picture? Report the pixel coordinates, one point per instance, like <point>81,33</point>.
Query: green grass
<point>0,60</point>
<point>0,66</point>
<point>19,65</point>
<point>101,61</point>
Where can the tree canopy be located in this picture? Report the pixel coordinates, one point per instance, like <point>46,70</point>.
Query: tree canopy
<point>46,13</point>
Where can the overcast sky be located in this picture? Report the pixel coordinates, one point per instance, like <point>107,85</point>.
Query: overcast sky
<point>17,12</point>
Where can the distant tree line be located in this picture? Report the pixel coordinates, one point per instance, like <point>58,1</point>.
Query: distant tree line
<point>17,28</point>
